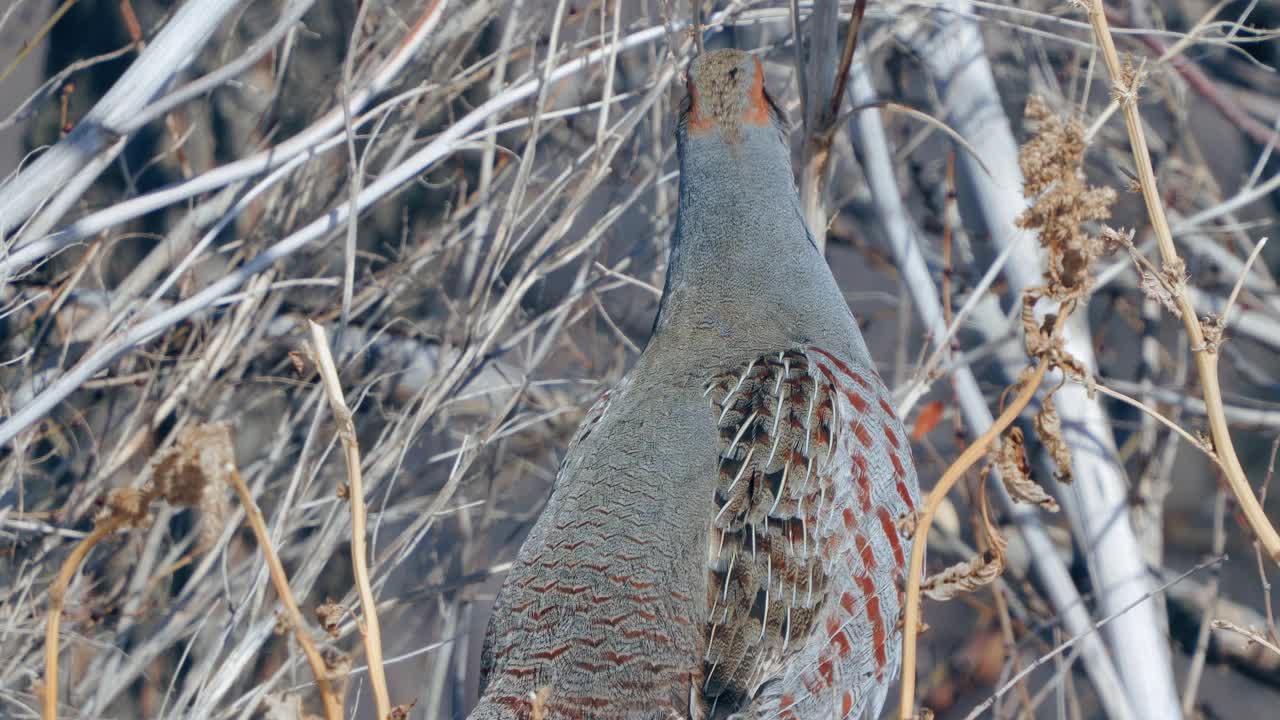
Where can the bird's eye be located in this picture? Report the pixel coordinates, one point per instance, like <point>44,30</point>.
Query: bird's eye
<point>733,73</point>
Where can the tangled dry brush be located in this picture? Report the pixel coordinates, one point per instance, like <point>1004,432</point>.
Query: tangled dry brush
<point>264,456</point>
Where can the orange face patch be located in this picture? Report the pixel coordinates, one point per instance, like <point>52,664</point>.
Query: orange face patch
<point>698,122</point>
<point>757,112</point>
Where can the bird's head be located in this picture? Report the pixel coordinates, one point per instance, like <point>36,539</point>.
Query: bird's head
<point>727,100</point>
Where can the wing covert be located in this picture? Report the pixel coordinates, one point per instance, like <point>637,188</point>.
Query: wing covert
<point>805,556</point>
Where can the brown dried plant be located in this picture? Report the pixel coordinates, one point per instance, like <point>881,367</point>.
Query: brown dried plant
<point>1063,203</point>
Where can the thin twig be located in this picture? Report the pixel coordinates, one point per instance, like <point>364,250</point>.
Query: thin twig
<point>1251,634</point>
<point>359,553</point>
<point>1235,291</point>
<point>332,708</point>
<point>846,61</point>
<point>1154,414</point>
<point>1195,670</point>
<point>1071,642</point>
<point>695,11</point>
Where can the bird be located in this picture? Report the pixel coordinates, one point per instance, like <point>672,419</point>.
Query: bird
<point>728,531</point>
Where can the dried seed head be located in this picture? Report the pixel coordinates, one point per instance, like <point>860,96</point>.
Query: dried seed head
<point>127,507</point>
<point>1052,168</point>
<point>193,473</point>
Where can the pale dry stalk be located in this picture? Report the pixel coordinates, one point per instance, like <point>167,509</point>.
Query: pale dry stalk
<point>1205,353</point>
<point>332,707</point>
<point>372,632</point>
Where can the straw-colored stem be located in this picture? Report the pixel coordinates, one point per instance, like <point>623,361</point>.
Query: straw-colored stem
<point>372,633</point>
<point>332,708</point>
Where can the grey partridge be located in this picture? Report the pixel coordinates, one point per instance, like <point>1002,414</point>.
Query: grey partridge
<point>725,536</point>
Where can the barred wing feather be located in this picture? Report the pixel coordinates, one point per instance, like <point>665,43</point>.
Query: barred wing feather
<point>805,554</point>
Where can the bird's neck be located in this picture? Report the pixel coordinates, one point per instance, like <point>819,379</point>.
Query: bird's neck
<point>741,256</point>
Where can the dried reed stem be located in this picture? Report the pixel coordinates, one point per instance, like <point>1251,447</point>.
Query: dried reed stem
<point>1206,355</point>
<point>372,632</point>
<point>332,708</point>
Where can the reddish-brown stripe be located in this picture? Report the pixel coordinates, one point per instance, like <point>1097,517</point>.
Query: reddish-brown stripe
<point>838,638</point>
<point>841,365</point>
<point>787,702</point>
<point>891,436</point>
<point>827,671</point>
<point>584,701</point>
<point>865,584</point>
<point>849,520</point>
<point>551,654</point>
<point>863,481</point>
<point>884,405</point>
<point>865,550</point>
<point>864,437</point>
<point>858,402</point>
<point>618,658</point>
<point>846,705</point>
<point>877,629</point>
<point>906,496</point>
<point>698,123</point>
<point>898,470</point>
<point>891,532</point>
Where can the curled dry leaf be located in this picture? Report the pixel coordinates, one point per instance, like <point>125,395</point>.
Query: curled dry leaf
<point>977,572</point>
<point>1048,425</point>
<point>329,614</point>
<point>963,577</point>
<point>1040,340</point>
<point>1010,459</point>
